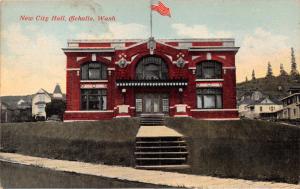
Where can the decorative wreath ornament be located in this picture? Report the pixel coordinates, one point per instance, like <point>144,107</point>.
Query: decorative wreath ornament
<point>180,61</point>
<point>122,63</point>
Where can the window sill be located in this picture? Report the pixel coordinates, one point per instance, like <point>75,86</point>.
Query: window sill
<point>93,81</point>
<point>212,110</point>
<point>209,79</point>
<point>88,111</point>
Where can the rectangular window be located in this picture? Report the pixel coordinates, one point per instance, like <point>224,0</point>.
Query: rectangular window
<point>139,105</point>
<point>93,99</point>
<point>209,98</point>
<point>199,101</point>
<point>41,97</point>
<point>219,101</point>
<point>165,104</point>
<point>209,101</point>
<point>41,108</point>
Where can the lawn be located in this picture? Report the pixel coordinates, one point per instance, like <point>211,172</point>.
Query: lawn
<point>239,149</point>
<point>248,149</point>
<point>110,142</point>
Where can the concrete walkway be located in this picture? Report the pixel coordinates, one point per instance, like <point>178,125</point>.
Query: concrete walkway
<point>137,175</point>
<point>157,131</point>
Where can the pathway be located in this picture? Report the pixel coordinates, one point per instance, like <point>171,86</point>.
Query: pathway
<point>146,176</point>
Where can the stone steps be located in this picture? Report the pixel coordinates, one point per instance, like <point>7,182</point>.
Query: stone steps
<point>151,119</point>
<point>157,146</point>
<point>163,166</point>
<point>161,152</point>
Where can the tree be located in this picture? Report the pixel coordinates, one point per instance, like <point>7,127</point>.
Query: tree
<point>269,70</point>
<point>253,75</point>
<point>294,71</point>
<point>246,79</point>
<point>56,107</point>
<point>282,71</point>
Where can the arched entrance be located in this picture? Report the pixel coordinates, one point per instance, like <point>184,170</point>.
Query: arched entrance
<point>151,68</point>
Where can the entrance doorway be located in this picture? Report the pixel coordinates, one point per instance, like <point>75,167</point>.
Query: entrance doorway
<point>152,103</point>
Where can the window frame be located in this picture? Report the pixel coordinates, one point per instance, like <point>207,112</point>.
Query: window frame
<point>100,93</point>
<point>154,61</point>
<point>216,94</point>
<point>209,64</point>
<point>102,68</point>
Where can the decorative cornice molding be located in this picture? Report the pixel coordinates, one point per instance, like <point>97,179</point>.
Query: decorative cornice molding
<point>213,49</point>
<point>91,50</point>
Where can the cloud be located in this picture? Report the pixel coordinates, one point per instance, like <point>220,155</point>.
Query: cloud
<point>259,48</point>
<point>94,6</point>
<point>31,60</point>
<point>198,31</point>
<point>256,49</point>
<point>117,30</point>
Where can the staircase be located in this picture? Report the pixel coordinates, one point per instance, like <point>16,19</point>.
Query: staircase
<point>161,152</point>
<point>151,119</point>
<point>158,146</point>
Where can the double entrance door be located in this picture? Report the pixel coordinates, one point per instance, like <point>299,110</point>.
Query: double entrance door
<point>152,103</point>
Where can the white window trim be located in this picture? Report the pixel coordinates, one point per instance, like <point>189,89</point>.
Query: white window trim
<point>209,79</point>
<point>93,81</point>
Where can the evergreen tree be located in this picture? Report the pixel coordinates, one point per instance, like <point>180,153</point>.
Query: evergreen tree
<point>294,71</point>
<point>253,75</point>
<point>246,79</point>
<point>269,70</point>
<point>282,71</point>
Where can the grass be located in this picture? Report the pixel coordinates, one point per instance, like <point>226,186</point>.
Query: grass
<point>246,149</point>
<point>110,142</point>
<point>241,149</point>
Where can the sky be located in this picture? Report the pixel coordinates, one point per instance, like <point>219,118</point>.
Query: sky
<point>31,57</point>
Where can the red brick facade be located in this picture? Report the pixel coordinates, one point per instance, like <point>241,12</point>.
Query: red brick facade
<point>182,98</point>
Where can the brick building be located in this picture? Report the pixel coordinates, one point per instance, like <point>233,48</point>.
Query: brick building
<point>127,78</point>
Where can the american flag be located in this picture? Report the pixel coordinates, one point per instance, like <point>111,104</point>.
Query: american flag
<point>161,9</point>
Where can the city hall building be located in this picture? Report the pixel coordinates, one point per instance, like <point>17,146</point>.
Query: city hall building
<point>127,78</point>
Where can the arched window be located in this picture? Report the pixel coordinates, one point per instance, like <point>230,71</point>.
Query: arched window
<point>93,71</point>
<point>209,70</point>
<point>151,68</point>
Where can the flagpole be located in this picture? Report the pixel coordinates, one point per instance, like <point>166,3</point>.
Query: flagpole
<point>151,18</point>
